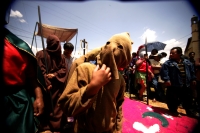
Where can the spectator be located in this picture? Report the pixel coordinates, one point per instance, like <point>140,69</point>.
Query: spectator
<point>178,73</point>
<point>21,96</point>
<point>140,75</point>
<point>68,49</point>
<point>132,74</point>
<point>153,52</point>
<point>156,66</point>
<point>55,76</point>
<point>191,57</point>
<point>163,57</point>
<point>94,94</point>
<point>20,87</point>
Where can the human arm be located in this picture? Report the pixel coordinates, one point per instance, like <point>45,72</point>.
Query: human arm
<point>164,73</point>
<point>38,104</point>
<point>60,72</point>
<point>120,100</point>
<point>74,99</point>
<point>41,62</point>
<point>100,77</point>
<point>192,73</point>
<point>139,62</point>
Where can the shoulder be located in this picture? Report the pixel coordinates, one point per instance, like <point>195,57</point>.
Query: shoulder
<point>39,53</point>
<point>168,62</point>
<point>86,66</point>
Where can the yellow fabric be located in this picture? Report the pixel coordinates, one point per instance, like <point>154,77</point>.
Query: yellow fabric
<point>103,111</point>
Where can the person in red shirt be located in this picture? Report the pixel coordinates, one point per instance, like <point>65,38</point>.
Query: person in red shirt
<point>140,74</point>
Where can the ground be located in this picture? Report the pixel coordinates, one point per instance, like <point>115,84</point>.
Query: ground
<point>155,104</point>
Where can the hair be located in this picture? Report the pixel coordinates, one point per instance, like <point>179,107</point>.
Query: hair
<point>179,50</point>
<point>154,50</point>
<point>191,53</point>
<point>163,54</point>
<point>69,46</point>
<point>134,53</point>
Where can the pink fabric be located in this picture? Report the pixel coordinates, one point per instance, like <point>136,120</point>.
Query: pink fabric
<point>133,110</point>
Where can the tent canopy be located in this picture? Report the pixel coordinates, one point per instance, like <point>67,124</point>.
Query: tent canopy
<point>64,34</point>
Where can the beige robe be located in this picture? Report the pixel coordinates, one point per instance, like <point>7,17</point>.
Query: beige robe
<point>103,111</point>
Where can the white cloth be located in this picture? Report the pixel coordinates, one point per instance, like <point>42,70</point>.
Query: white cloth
<point>155,63</point>
<point>69,63</point>
<point>162,60</point>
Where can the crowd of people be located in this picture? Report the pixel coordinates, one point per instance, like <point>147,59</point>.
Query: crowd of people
<point>175,80</point>
<point>53,92</point>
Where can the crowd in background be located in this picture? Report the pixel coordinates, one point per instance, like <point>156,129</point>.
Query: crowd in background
<point>174,80</point>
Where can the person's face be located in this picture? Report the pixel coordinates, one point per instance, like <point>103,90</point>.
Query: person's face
<point>157,58</point>
<point>154,52</point>
<point>174,54</point>
<point>192,55</point>
<point>67,52</point>
<point>146,56</point>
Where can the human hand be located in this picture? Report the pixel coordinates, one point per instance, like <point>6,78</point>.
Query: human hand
<point>38,106</point>
<point>101,76</point>
<point>152,75</point>
<point>168,83</point>
<point>49,87</point>
<point>50,75</point>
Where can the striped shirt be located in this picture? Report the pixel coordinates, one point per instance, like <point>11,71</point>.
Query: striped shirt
<point>182,71</point>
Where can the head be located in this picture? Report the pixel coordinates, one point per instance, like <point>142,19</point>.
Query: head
<point>68,49</point>
<point>157,57</point>
<point>143,55</point>
<point>175,53</point>
<point>192,55</point>
<point>134,54</point>
<point>119,49</point>
<point>154,51</point>
<point>53,45</point>
<point>163,54</point>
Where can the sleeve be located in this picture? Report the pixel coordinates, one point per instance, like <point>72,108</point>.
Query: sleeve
<point>120,100</point>
<point>41,63</point>
<point>61,73</point>
<point>71,100</point>
<point>192,72</point>
<point>164,72</point>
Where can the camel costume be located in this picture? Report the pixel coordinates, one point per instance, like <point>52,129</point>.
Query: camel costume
<point>101,113</point>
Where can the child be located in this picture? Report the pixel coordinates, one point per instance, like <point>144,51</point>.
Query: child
<point>95,93</point>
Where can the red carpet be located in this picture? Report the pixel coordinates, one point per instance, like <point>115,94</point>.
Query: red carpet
<point>143,118</point>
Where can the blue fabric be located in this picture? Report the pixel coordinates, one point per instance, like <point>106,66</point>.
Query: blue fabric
<point>170,72</point>
<point>156,86</point>
<point>18,113</point>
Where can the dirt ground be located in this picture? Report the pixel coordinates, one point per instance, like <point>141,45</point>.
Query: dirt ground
<point>154,104</point>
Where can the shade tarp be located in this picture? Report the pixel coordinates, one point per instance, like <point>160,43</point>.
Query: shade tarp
<point>64,34</point>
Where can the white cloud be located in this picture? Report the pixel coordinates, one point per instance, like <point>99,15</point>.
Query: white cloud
<point>163,32</point>
<point>16,14</point>
<point>22,20</point>
<point>170,44</point>
<point>149,34</point>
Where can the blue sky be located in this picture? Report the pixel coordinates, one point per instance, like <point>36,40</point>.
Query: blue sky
<point>164,21</point>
